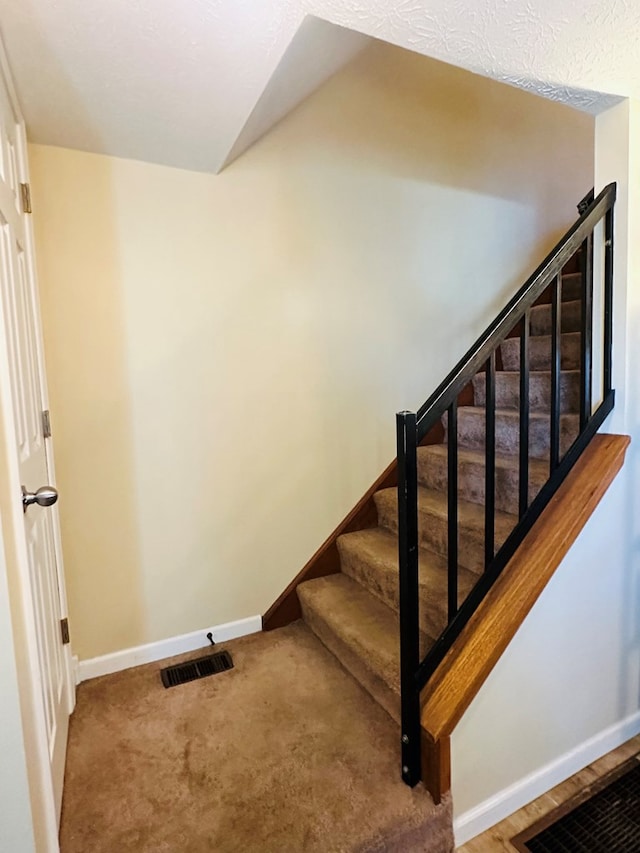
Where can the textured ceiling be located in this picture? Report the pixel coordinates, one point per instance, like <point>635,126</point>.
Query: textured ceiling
<point>179,82</point>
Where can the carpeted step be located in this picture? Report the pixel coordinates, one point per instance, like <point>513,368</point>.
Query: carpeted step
<point>471,431</point>
<point>571,287</point>
<point>371,558</point>
<point>433,526</point>
<point>540,352</point>
<point>432,473</point>
<point>508,390</point>
<point>360,630</point>
<point>541,318</point>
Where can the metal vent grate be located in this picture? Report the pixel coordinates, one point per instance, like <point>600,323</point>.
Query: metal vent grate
<point>182,673</point>
<point>608,821</point>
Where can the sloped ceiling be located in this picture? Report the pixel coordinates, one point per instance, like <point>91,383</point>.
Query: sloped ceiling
<point>191,83</point>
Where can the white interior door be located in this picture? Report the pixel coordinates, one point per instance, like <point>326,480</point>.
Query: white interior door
<point>26,398</point>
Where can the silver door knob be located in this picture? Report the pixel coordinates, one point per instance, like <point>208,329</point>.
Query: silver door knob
<point>45,496</point>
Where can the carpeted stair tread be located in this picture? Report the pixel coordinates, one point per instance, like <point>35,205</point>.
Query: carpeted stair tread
<point>433,526</point>
<point>540,352</point>
<point>370,557</point>
<point>432,473</point>
<point>508,390</point>
<point>360,630</point>
<point>471,431</point>
<point>541,318</point>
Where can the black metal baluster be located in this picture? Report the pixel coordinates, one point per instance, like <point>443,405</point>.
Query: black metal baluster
<point>490,460</point>
<point>586,315</point>
<point>452,515</point>
<point>408,594</point>
<point>523,445</point>
<point>608,301</point>
<point>556,354</point>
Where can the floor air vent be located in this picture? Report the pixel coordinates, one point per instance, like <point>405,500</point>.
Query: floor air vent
<point>604,817</point>
<point>193,669</point>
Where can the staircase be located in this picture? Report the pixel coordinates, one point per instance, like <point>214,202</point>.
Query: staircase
<point>404,580</point>
<point>355,612</point>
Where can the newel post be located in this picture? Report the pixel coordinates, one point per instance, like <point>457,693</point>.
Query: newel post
<point>408,595</point>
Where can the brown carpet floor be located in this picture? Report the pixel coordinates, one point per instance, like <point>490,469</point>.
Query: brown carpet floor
<point>286,752</point>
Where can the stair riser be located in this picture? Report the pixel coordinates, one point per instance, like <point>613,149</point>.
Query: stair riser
<point>432,620</point>
<point>432,603</point>
<point>508,391</point>
<point>471,433</point>
<point>571,287</point>
<point>541,318</point>
<point>571,290</point>
<point>364,572</point>
<point>432,473</point>
<point>433,535</point>
<point>352,662</point>
<point>540,353</point>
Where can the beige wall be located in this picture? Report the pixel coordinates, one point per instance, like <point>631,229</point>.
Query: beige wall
<point>226,353</point>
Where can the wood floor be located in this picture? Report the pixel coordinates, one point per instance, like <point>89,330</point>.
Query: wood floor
<point>497,838</point>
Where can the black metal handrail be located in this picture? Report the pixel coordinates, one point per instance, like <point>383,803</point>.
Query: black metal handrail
<point>413,427</point>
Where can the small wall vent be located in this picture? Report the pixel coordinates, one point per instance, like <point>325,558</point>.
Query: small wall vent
<point>193,669</point>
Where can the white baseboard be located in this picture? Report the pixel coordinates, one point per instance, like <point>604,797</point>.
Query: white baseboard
<point>509,800</point>
<point>125,659</point>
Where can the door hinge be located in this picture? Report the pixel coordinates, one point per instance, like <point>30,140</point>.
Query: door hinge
<point>25,192</point>
<point>64,630</point>
<point>46,424</point>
